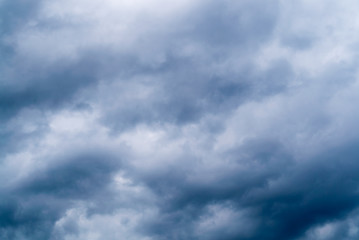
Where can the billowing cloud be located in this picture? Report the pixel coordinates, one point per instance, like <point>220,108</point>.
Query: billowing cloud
<point>178,120</point>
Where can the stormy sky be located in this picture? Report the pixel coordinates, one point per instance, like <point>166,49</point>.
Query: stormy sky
<point>183,120</point>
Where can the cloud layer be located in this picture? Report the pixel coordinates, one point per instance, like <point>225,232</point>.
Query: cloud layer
<point>154,120</point>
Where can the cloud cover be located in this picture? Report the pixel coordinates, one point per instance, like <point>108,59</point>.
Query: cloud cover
<point>178,120</point>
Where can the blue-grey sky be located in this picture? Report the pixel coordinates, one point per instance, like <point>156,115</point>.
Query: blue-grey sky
<point>183,120</point>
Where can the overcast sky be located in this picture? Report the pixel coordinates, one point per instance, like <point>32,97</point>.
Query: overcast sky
<point>179,120</point>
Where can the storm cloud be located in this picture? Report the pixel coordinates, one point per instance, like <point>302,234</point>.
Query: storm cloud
<point>154,120</point>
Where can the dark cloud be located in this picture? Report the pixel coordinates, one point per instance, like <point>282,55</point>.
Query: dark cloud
<point>189,120</point>
<point>36,202</point>
<point>48,91</point>
<point>73,177</point>
<point>186,200</point>
<point>314,193</point>
<point>281,197</point>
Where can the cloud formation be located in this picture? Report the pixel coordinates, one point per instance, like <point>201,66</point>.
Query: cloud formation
<point>154,120</point>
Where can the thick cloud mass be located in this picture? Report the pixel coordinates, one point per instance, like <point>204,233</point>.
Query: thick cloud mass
<point>156,120</point>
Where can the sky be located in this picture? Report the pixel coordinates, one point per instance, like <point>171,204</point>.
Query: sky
<point>182,120</point>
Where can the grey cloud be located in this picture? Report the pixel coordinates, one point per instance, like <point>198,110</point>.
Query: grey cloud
<point>298,41</point>
<point>213,121</point>
<point>49,89</point>
<point>315,192</point>
<point>56,84</point>
<point>183,93</point>
<point>282,199</point>
<point>33,93</point>
<point>13,14</point>
<point>36,202</point>
<point>75,176</point>
<point>246,23</point>
<point>185,201</point>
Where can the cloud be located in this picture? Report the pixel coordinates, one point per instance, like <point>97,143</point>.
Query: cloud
<point>35,201</point>
<point>178,120</point>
